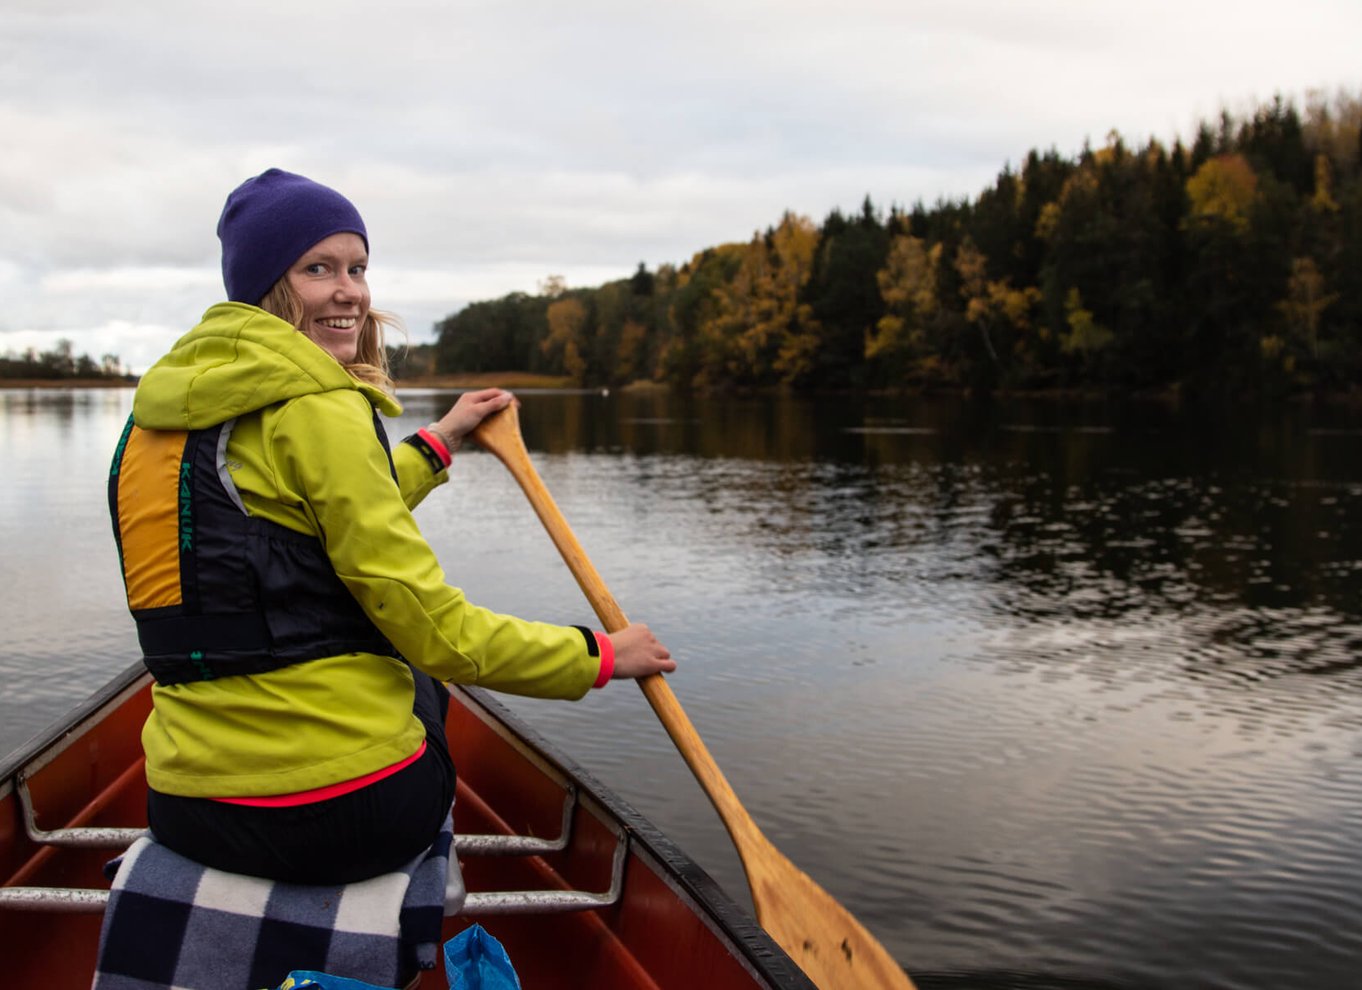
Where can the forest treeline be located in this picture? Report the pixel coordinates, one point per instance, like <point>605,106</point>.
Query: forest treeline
<point>62,363</point>
<point>1232,262</point>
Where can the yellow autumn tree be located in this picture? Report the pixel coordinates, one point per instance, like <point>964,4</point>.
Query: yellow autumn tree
<point>788,266</point>
<point>1306,302</point>
<point>992,303</point>
<point>1086,336</point>
<point>908,286</point>
<point>567,336</point>
<point>798,351</point>
<point>1224,188</point>
<point>754,311</point>
<point>1323,199</point>
<point>1333,124</point>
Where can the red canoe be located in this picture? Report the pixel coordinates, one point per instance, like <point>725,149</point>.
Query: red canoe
<point>592,896</point>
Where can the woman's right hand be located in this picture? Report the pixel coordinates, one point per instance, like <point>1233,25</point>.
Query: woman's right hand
<point>466,413</point>
<point>638,653</point>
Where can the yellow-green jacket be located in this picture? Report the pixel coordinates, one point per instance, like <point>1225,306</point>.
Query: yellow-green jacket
<point>304,454</point>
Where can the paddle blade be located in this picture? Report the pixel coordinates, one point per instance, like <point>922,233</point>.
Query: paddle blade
<point>815,930</point>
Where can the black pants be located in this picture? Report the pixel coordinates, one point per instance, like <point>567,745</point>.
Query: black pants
<point>373,830</point>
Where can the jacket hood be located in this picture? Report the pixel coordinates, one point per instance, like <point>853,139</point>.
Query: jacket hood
<point>237,360</point>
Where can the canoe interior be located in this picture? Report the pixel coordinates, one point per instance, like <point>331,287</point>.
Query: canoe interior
<point>671,928</point>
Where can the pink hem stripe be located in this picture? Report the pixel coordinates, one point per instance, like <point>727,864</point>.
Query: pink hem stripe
<point>329,791</point>
<point>607,660</point>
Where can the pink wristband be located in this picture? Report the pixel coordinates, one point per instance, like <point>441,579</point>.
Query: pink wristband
<point>436,444</point>
<point>607,649</point>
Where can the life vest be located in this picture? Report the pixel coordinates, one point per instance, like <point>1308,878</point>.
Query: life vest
<point>215,591</point>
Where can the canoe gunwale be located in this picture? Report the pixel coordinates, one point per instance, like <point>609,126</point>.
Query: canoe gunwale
<point>50,743</point>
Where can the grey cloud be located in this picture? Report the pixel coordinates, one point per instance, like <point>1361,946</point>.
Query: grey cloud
<point>500,143</point>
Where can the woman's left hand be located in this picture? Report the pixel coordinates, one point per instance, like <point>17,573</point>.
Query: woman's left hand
<point>470,410</point>
<point>638,652</point>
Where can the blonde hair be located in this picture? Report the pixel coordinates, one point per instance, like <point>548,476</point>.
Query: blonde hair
<point>371,356</point>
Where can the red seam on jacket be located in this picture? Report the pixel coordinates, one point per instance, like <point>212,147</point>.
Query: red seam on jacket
<point>329,791</point>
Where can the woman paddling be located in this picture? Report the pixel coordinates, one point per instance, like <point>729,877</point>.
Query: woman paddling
<point>296,622</point>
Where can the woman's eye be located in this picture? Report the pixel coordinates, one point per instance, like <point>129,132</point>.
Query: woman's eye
<point>357,271</point>
<point>316,268</point>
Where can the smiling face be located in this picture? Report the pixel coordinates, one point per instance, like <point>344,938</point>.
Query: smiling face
<point>329,282</point>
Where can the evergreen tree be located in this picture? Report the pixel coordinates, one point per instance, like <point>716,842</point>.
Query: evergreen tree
<point>843,296</point>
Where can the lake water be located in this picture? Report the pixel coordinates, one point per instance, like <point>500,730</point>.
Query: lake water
<point>1049,695</point>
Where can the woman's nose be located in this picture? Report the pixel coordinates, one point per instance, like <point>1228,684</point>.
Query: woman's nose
<point>347,287</point>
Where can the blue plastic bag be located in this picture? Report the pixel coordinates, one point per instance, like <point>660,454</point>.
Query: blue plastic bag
<point>474,960</point>
<point>303,979</point>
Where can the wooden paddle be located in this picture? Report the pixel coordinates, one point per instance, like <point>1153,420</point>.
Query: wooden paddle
<point>821,935</point>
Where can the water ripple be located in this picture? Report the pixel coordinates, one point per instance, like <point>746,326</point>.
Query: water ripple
<point>1049,699</point>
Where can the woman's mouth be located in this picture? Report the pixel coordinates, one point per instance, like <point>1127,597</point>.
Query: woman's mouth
<point>339,322</point>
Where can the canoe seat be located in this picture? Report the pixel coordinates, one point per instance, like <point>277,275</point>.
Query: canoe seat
<point>173,922</point>
<point>457,900</point>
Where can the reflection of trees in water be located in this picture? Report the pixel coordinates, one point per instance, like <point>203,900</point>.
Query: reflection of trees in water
<point>1108,537</point>
<point>1261,544</point>
<point>63,404</point>
<point>1048,513</point>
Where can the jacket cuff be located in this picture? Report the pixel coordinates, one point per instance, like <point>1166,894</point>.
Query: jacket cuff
<point>431,448</point>
<point>598,644</point>
<point>607,660</point>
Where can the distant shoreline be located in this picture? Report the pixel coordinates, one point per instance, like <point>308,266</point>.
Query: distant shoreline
<point>514,380</point>
<point>487,379</point>
<point>483,379</point>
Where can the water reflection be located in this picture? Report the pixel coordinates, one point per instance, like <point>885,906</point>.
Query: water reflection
<point>1049,694</point>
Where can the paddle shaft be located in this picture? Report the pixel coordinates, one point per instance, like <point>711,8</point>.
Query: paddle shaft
<point>818,932</point>
<point>500,434</point>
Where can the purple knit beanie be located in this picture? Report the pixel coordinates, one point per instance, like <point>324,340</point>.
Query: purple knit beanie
<point>267,224</point>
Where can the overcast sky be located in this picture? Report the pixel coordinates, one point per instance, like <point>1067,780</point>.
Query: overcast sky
<point>492,143</point>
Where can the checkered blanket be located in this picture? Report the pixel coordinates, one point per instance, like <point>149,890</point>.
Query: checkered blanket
<point>174,923</point>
